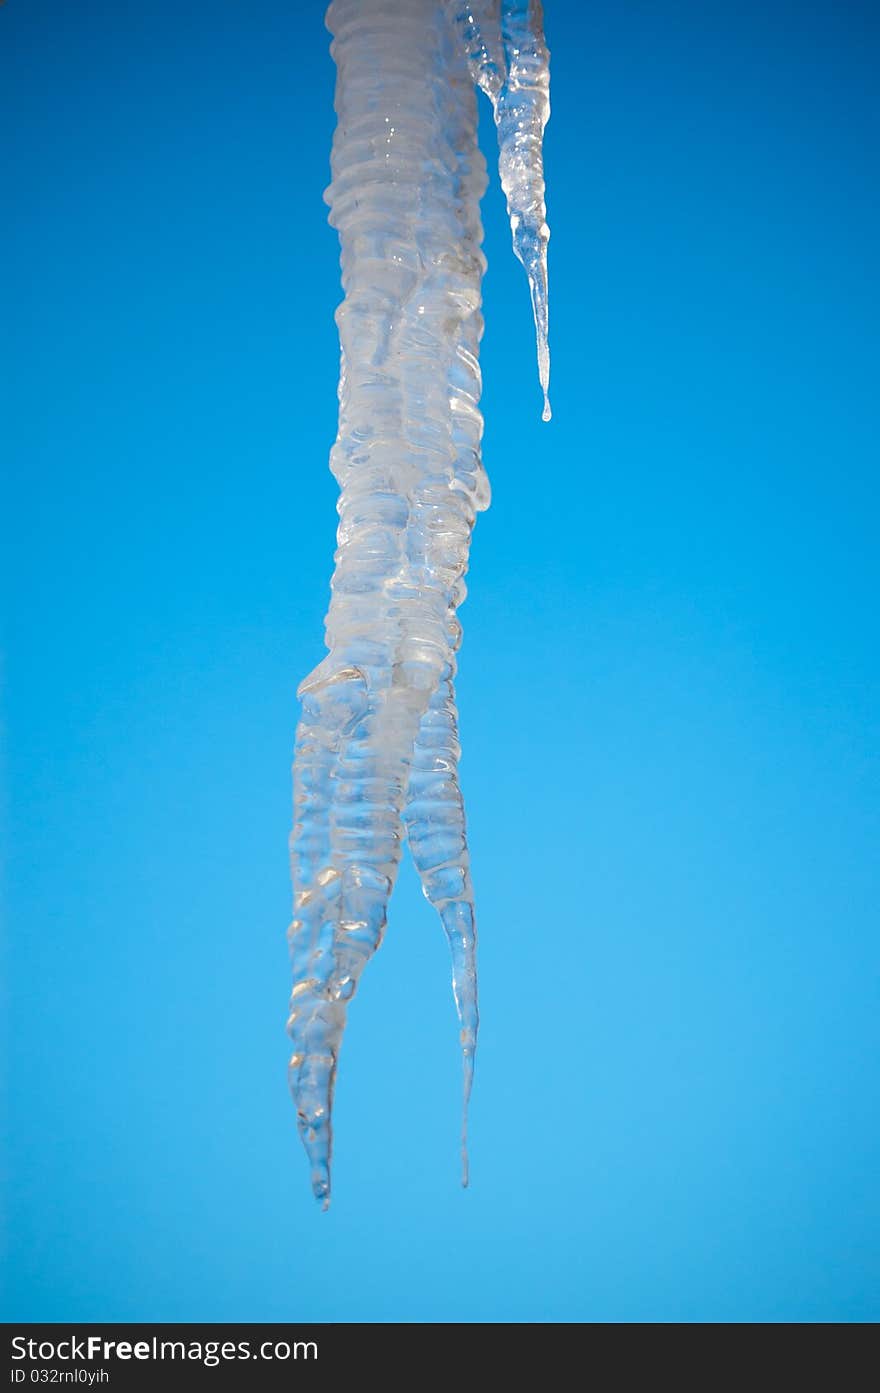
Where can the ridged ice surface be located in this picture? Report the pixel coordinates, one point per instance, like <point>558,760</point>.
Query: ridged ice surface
<point>377,746</point>
<point>505,50</point>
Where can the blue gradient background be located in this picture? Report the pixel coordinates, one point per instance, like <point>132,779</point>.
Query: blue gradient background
<point>669,687</point>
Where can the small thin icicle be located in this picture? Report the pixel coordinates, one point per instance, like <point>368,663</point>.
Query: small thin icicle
<point>521,113</point>
<point>510,63</point>
<point>435,826</point>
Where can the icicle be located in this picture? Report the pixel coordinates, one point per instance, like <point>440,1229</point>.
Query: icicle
<point>404,197</point>
<point>521,113</point>
<point>479,29</point>
<point>512,66</point>
<point>377,744</point>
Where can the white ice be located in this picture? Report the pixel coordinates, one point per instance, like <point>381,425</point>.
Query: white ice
<point>377,746</point>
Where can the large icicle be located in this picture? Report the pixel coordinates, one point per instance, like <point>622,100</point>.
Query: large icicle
<point>405,202</point>
<point>377,744</point>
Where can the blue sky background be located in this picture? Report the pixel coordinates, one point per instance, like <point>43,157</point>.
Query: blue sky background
<point>669,690</point>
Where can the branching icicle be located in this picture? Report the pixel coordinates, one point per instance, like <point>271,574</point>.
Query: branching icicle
<point>377,744</point>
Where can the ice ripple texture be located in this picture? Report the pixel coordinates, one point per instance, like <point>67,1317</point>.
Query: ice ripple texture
<point>377,749</point>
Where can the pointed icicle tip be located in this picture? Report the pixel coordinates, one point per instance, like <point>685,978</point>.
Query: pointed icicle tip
<point>468,1083</point>
<point>321,1184</point>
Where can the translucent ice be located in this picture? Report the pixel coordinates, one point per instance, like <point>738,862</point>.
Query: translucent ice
<point>505,50</point>
<point>377,745</point>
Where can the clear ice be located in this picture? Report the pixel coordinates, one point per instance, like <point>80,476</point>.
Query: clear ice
<point>377,747</point>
